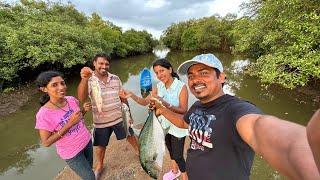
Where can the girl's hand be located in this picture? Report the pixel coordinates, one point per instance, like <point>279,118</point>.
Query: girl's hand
<point>74,118</point>
<point>87,106</point>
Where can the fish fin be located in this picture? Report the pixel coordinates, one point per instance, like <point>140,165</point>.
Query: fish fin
<point>159,168</point>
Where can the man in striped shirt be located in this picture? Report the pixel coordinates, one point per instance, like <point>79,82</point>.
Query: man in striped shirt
<point>110,118</point>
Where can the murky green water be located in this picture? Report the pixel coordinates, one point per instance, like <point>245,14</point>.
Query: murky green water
<point>21,156</point>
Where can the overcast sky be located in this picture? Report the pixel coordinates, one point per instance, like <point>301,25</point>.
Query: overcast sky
<point>154,15</point>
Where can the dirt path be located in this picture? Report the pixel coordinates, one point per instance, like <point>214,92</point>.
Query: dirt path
<point>121,163</point>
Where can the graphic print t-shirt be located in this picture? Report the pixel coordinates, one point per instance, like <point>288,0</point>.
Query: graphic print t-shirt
<point>216,149</point>
<point>53,120</point>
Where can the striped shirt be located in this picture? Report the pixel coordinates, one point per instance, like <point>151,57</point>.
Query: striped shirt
<point>111,103</point>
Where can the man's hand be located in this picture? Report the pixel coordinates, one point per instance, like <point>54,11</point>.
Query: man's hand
<point>156,104</point>
<point>86,73</point>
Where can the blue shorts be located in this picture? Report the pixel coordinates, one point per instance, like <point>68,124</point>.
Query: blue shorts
<point>101,136</point>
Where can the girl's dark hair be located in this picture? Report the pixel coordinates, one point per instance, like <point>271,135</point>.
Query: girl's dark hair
<point>166,64</point>
<point>42,81</point>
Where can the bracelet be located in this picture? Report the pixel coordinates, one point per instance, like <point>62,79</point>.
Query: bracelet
<point>58,132</point>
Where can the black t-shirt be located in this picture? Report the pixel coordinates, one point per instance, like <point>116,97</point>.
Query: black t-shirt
<point>216,149</point>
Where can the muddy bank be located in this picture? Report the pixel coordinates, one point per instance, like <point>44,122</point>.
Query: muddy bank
<point>10,102</point>
<point>312,92</point>
<point>121,163</point>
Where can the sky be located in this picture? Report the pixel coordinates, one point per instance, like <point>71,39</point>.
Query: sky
<point>154,15</point>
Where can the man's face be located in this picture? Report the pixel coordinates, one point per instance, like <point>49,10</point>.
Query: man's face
<point>101,66</point>
<point>204,83</point>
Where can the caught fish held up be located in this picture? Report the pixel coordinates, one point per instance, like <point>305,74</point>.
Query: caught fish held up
<point>152,146</point>
<point>96,93</point>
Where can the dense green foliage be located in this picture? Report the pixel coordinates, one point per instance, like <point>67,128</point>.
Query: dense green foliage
<point>202,34</point>
<point>284,36</point>
<point>35,33</point>
<point>281,35</point>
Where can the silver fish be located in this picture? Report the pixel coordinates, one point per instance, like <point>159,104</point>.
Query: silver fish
<point>96,93</point>
<point>125,119</point>
<point>152,146</point>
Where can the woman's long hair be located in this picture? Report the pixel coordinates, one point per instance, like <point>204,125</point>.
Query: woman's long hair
<point>43,80</point>
<point>166,64</point>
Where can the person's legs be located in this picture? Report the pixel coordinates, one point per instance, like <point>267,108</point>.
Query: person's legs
<point>100,151</point>
<point>134,143</point>
<point>81,166</point>
<point>177,145</point>
<point>174,172</point>
<point>101,138</point>
<point>88,153</point>
<point>168,141</point>
<point>119,130</point>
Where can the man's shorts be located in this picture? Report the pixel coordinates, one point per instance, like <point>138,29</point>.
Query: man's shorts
<point>101,136</point>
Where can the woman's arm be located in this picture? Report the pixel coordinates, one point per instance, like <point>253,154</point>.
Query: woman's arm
<point>183,102</point>
<point>142,101</point>
<point>48,138</point>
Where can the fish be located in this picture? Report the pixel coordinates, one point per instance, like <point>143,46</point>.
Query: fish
<point>152,146</point>
<point>96,93</point>
<point>125,119</point>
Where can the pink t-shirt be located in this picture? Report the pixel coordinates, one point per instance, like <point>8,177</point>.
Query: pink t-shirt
<point>53,120</point>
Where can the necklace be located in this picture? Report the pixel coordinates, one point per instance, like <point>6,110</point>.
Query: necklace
<point>61,107</point>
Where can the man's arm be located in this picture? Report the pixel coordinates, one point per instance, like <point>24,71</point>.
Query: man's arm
<point>174,118</point>
<point>313,133</point>
<point>83,85</point>
<point>281,143</point>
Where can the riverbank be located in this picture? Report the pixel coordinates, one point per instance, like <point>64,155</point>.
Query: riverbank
<point>121,162</point>
<point>11,101</point>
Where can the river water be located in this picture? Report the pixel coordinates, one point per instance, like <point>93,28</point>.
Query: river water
<point>22,156</point>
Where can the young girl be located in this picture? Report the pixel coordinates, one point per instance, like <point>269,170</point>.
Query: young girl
<point>60,121</point>
<point>174,95</point>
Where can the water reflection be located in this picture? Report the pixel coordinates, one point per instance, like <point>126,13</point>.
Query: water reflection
<point>161,53</point>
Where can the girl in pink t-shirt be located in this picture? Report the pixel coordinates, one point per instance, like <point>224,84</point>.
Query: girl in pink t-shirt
<point>60,121</point>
